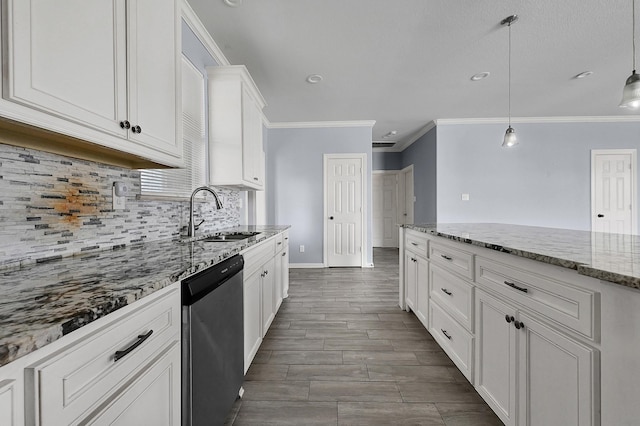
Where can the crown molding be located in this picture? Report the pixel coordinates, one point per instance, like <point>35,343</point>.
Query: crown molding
<point>539,120</point>
<point>402,145</point>
<point>318,124</point>
<point>189,16</point>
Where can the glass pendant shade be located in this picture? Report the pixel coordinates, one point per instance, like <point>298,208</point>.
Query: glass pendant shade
<point>631,92</point>
<point>510,138</point>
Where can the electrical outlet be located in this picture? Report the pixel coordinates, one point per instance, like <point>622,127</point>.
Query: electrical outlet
<point>465,197</point>
<point>118,202</point>
<point>301,249</point>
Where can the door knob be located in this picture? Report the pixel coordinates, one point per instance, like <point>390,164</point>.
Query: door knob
<point>330,217</point>
<point>600,215</point>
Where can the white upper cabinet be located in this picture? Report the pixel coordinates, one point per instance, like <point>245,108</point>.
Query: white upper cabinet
<point>235,129</point>
<point>108,69</point>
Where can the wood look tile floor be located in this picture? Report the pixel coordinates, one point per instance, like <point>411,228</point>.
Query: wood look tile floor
<point>341,352</point>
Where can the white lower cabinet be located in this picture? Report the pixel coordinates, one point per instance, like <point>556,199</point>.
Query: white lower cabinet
<point>7,402</point>
<point>453,338</point>
<point>530,373</point>
<point>252,318</point>
<point>267,289</point>
<point>417,285</point>
<point>410,279</point>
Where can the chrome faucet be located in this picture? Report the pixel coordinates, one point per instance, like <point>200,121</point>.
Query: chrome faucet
<point>192,226</point>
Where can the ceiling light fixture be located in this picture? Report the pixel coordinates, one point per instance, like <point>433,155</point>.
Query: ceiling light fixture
<point>232,3</point>
<point>314,78</point>
<point>480,76</point>
<point>391,133</point>
<point>510,138</point>
<point>631,91</point>
<point>583,75</point>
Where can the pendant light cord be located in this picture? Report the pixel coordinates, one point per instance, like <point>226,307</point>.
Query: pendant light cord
<point>633,35</point>
<point>510,72</point>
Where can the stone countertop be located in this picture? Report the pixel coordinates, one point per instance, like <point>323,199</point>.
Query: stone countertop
<point>609,257</point>
<point>43,302</point>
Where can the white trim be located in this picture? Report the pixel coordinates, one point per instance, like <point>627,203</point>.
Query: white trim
<point>403,190</point>
<point>363,216</point>
<point>402,145</point>
<point>539,120</point>
<point>318,124</point>
<point>634,180</point>
<point>306,265</point>
<point>193,21</point>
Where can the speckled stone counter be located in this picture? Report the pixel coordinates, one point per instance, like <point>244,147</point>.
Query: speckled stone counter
<point>609,257</point>
<point>41,303</point>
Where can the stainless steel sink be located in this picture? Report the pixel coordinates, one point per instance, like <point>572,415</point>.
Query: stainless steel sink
<point>230,237</point>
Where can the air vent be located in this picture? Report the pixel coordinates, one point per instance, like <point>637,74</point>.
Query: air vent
<point>383,144</point>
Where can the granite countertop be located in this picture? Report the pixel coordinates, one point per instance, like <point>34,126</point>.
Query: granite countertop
<point>609,257</point>
<point>43,302</point>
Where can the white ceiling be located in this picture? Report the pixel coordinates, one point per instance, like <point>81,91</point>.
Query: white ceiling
<point>405,63</point>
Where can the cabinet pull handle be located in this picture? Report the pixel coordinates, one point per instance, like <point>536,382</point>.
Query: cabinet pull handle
<point>141,338</point>
<point>279,242</point>
<point>512,285</point>
<point>447,292</point>
<point>444,256</point>
<point>509,319</point>
<point>125,124</point>
<point>445,333</point>
<point>284,254</point>
<point>519,325</point>
<point>286,238</point>
<point>255,178</point>
<point>414,244</point>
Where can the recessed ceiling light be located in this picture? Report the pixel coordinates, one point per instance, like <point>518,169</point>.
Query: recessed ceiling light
<point>583,74</point>
<point>314,78</point>
<point>480,76</point>
<point>232,3</point>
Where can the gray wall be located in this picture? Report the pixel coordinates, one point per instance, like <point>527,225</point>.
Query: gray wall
<point>295,183</point>
<point>422,154</point>
<point>387,160</point>
<point>544,181</point>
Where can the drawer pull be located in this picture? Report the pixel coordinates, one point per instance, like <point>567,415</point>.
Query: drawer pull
<point>444,256</point>
<point>447,335</point>
<point>141,338</point>
<point>512,285</point>
<point>284,254</point>
<point>279,242</point>
<point>509,319</point>
<point>519,325</point>
<point>414,244</point>
<point>445,291</point>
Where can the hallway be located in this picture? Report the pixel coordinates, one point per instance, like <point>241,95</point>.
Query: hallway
<point>341,352</point>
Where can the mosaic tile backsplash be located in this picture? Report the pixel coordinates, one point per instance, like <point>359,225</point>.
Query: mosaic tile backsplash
<point>53,206</point>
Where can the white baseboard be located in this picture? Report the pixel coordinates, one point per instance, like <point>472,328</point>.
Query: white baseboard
<point>306,265</point>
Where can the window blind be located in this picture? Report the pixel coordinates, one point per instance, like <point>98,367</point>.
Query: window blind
<point>181,182</point>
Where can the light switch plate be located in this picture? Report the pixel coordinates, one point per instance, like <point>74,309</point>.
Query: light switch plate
<point>465,197</point>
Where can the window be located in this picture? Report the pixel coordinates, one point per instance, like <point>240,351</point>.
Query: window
<point>181,182</point>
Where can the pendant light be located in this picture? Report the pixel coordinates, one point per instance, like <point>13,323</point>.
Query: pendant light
<point>631,91</point>
<point>510,138</point>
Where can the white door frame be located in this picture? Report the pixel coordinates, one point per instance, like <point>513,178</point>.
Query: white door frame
<point>395,173</point>
<point>363,216</point>
<point>634,181</point>
<point>402,190</point>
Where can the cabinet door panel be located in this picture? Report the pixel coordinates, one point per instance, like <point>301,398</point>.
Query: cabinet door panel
<point>7,402</point>
<point>268,285</point>
<point>422,291</point>
<point>152,398</point>
<point>68,59</point>
<point>252,318</point>
<point>557,377</point>
<point>152,73</point>
<point>496,356</point>
<point>411,279</point>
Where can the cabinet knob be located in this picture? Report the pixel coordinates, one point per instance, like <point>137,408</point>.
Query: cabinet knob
<point>256,179</point>
<point>125,124</point>
<point>330,217</point>
<point>508,318</point>
<point>136,129</point>
<point>519,325</point>
<point>600,215</point>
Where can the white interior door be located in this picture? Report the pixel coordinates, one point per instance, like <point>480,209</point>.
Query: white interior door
<point>406,195</point>
<point>344,209</point>
<point>613,191</point>
<point>385,206</point>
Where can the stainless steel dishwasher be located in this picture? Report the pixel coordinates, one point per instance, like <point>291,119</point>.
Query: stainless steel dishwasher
<point>212,343</point>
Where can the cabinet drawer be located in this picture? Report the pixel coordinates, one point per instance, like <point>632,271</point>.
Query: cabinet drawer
<point>453,338</point>
<point>257,255</point>
<point>416,242</point>
<point>571,307</point>
<point>78,378</point>
<point>453,294</point>
<point>279,240</point>
<point>452,259</point>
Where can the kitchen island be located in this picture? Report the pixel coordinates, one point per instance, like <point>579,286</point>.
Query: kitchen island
<point>543,322</point>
